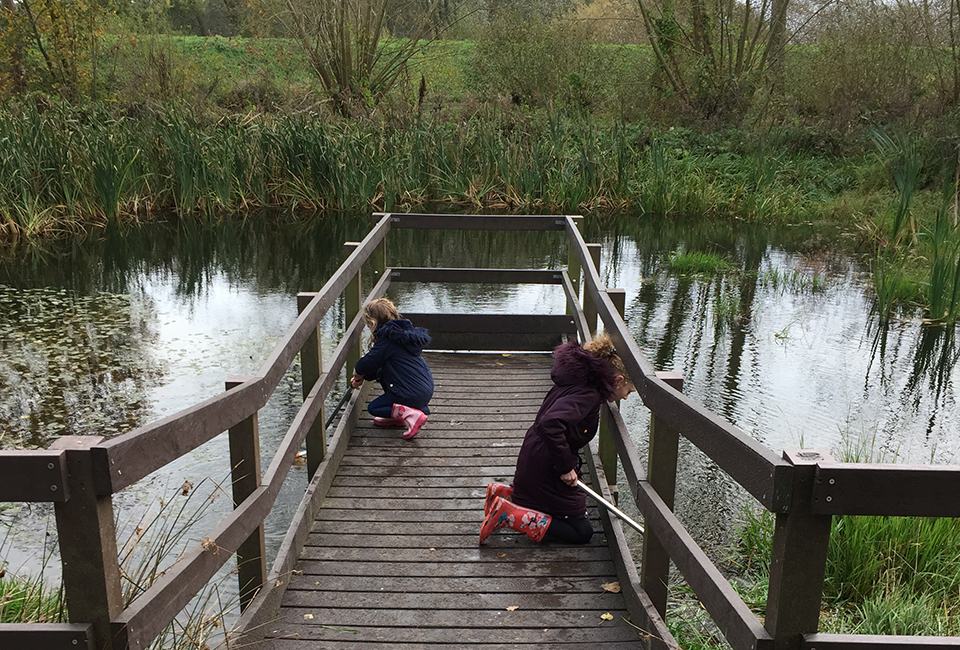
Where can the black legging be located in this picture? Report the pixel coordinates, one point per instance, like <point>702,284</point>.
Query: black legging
<point>570,530</point>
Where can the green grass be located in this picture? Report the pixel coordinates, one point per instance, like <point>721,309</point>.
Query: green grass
<point>884,575</point>
<point>698,263</point>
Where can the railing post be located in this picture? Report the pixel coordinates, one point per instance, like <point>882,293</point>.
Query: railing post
<point>662,454</point>
<point>379,257</point>
<point>589,308</point>
<point>573,270</point>
<point>799,557</point>
<point>352,298</point>
<point>88,545</point>
<point>606,447</point>
<point>245,472</point>
<point>311,367</point>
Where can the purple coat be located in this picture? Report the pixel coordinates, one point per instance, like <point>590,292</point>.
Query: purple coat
<point>566,422</point>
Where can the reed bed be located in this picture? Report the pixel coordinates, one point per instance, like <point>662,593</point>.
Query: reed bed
<point>884,575</point>
<point>70,169</point>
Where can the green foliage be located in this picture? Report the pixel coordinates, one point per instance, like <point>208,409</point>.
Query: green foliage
<point>345,43</point>
<point>698,263</point>
<point>537,62</point>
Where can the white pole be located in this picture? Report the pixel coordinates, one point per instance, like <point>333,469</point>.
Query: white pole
<point>612,508</point>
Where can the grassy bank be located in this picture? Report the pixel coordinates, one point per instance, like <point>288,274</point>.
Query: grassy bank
<point>75,168</point>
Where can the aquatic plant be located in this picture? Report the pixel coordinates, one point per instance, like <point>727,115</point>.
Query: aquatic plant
<point>698,263</point>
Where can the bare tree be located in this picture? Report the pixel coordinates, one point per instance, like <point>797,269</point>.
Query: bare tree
<point>345,43</point>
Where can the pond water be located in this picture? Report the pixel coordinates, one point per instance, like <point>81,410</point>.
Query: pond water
<point>100,336</point>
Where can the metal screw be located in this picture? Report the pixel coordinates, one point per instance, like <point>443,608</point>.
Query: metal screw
<point>53,488</point>
<point>829,499</point>
<point>74,642</point>
<point>49,465</point>
<point>832,481</point>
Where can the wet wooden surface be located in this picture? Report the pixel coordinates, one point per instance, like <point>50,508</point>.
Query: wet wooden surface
<point>393,559</point>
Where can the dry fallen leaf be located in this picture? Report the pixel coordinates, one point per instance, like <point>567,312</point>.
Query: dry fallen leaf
<point>513,608</point>
<point>311,616</point>
<point>501,555</point>
<point>278,583</point>
<point>432,549</point>
<point>506,354</point>
<point>297,572</point>
<point>612,587</point>
<point>606,617</point>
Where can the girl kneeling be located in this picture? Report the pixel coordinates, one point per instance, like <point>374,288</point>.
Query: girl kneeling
<point>544,501</point>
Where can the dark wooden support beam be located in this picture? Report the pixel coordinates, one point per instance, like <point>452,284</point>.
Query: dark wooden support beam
<point>662,473</point>
<point>311,367</point>
<point>245,471</point>
<point>799,557</point>
<point>88,544</point>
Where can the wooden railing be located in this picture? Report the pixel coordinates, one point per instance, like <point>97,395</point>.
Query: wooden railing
<point>81,474</point>
<point>803,488</point>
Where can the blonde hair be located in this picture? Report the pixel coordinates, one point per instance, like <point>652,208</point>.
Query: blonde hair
<point>602,347</point>
<point>379,311</point>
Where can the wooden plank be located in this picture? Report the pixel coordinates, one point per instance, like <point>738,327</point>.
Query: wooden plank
<point>467,275</point>
<point>477,570</point>
<point>46,636</point>
<point>37,476</point>
<point>494,324</point>
<point>430,555</point>
<point>301,634</point>
<point>422,544</point>
<point>454,601</point>
<point>421,618</point>
<point>886,489</point>
<point>519,584</point>
<point>475,222</point>
<point>877,642</point>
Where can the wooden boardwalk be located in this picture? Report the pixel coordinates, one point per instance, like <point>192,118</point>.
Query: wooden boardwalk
<point>393,559</point>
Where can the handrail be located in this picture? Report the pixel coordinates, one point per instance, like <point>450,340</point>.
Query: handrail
<point>124,460</point>
<point>750,463</point>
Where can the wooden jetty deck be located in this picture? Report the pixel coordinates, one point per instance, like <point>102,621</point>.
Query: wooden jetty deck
<point>382,550</point>
<point>393,559</point>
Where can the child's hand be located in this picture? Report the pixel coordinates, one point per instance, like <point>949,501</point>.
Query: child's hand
<point>356,381</point>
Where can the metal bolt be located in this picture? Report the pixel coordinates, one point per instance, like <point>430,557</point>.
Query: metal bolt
<point>49,465</point>
<point>74,642</point>
<point>832,481</point>
<point>829,499</point>
<point>53,488</point>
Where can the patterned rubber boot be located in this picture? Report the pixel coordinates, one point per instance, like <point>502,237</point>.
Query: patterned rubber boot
<point>413,418</point>
<point>503,513</point>
<point>388,422</point>
<point>495,490</point>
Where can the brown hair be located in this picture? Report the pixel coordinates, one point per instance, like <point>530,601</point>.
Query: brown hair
<point>602,347</point>
<point>377,312</point>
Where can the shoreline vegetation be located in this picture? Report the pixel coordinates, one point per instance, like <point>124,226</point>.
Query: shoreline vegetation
<point>214,128</point>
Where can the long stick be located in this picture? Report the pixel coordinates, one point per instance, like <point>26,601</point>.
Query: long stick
<point>612,508</point>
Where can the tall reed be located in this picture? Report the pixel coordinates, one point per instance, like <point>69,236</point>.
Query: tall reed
<point>66,168</point>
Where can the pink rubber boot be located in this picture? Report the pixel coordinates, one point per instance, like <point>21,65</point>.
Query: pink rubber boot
<point>413,418</point>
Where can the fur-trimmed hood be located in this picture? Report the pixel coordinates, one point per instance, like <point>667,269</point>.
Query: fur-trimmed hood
<point>403,333</point>
<point>573,366</point>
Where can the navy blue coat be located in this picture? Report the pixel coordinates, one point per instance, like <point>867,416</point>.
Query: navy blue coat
<point>566,422</point>
<point>395,361</point>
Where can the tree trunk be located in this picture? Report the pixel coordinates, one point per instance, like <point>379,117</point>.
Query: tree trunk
<point>16,55</point>
<point>777,41</point>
